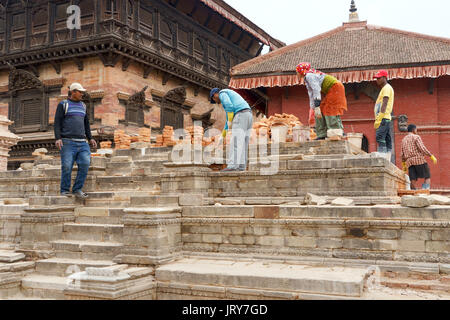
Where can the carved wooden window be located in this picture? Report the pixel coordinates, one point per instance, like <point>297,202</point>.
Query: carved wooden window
<point>111,9</point>
<point>166,32</point>
<point>225,62</point>
<point>39,26</point>
<point>28,111</point>
<point>134,115</point>
<point>18,22</point>
<point>2,24</point>
<point>198,49</point>
<point>39,19</point>
<point>2,33</point>
<point>87,8</point>
<point>171,116</point>
<point>61,12</point>
<point>183,40</point>
<point>146,21</point>
<point>61,22</point>
<point>130,12</point>
<point>212,55</point>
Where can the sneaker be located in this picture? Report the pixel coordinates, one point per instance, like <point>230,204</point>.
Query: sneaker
<point>317,139</point>
<point>66,194</point>
<point>80,194</point>
<point>426,186</point>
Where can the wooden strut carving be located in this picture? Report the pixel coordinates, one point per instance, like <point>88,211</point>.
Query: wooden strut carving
<point>137,100</point>
<point>22,79</point>
<point>177,95</point>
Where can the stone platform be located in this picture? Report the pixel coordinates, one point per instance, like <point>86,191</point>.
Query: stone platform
<point>154,229</point>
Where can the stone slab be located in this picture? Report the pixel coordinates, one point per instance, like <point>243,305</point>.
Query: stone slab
<point>10,256</point>
<point>265,275</point>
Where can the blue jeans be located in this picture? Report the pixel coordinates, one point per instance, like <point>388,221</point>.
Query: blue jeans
<point>71,152</point>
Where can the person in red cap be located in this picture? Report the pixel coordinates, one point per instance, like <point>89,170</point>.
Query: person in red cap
<point>383,110</point>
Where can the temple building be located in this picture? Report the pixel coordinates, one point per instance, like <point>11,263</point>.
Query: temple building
<point>175,50</point>
<point>419,71</point>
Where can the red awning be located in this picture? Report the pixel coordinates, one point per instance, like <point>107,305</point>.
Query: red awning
<point>344,77</point>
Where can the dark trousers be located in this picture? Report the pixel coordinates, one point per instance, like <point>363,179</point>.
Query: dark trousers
<point>384,138</point>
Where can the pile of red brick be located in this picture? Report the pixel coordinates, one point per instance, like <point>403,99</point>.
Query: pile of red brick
<point>144,135</point>
<point>105,145</point>
<point>121,140</point>
<point>262,129</point>
<point>196,134</point>
<point>165,139</point>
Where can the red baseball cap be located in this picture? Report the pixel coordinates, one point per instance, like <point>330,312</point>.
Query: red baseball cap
<point>381,73</point>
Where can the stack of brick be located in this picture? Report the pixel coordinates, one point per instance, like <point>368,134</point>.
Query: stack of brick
<point>159,141</point>
<point>105,145</point>
<point>263,128</point>
<point>196,133</point>
<point>144,135</point>
<point>121,140</point>
<point>168,137</point>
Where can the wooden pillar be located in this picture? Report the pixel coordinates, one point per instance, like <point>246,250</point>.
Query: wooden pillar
<point>97,16</point>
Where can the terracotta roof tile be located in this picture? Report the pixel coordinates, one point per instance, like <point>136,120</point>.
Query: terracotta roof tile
<point>354,46</point>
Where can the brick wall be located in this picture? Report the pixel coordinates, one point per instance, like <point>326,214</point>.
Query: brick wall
<point>113,80</point>
<point>411,98</point>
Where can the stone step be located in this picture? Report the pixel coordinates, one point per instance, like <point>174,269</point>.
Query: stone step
<point>13,209</point>
<point>129,183</point>
<point>9,256</point>
<point>385,212</point>
<point>53,200</point>
<point>420,285</point>
<point>89,250</point>
<point>154,201</point>
<point>119,169</point>
<point>39,286</point>
<point>359,201</point>
<point>325,212</point>
<point>62,267</point>
<point>114,216</point>
<point>262,276</point>
<point>94,232</point>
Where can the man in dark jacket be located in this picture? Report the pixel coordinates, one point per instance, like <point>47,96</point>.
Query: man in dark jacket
<point>71,131</point>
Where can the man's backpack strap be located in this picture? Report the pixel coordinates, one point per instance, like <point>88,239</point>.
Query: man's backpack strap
<point>66,106</point>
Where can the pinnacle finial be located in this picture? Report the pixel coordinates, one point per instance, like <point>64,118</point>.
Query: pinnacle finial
<point>353,7</point>
<point>354,17</point>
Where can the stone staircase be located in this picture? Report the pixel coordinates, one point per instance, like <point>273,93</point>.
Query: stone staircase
<point>92,240</point>
<point>175,231</point>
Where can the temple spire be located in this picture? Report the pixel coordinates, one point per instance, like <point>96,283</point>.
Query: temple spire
<point>354,17</point>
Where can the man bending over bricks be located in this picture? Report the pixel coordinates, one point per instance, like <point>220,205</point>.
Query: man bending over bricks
<point>71,131</point>
<point>240,119</point>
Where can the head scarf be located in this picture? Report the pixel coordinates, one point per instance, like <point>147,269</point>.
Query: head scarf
<point>305,67</point>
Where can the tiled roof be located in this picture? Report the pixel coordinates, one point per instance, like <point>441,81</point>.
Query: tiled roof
<point>353,46</point>
<point>234,16</point>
